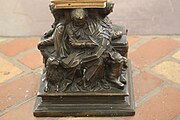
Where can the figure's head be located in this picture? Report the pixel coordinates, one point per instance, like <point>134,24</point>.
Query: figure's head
<point>79,16</point>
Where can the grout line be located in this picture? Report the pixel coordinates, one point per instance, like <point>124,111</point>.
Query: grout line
<point>148,68</point>
<point>150,95</point>
<point>177,117</point>
<point>22,54</point>
<point>160,60</point>
<point>59,118</point>
<point>157,62</point>
<point>24,68</point>
<point>16,106</point>
<point>175,60</point>
<point>139,43</point>
<point>167,81</point>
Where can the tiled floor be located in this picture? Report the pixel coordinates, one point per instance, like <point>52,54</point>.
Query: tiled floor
<point>156,76</point>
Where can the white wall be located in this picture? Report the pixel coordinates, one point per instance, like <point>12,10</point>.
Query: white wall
<point>24,17</point>
<point>32,17</point>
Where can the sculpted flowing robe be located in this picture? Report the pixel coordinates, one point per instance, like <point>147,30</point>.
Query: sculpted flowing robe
<point>71,55</point>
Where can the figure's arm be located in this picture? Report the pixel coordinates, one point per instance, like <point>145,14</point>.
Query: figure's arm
<point>47,42</point>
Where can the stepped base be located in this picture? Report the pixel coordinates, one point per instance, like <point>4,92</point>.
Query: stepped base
<point>86,104</point>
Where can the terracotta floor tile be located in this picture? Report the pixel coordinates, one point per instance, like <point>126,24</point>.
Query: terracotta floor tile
<point>144,83</point>
<point>177,38</point>
<point>169,69</point>
<point>132,40</point>
<point>152,51</point>
<point>32,60</point>
<point>18,45</point>
<point>23,112</point>
<point>163,106</point>
<point>18,90</point>
<point>7,70</point>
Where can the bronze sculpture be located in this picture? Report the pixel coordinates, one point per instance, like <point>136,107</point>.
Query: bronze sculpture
<point>85,57</point>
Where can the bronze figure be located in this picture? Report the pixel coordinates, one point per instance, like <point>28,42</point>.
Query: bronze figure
<point>85,56</point>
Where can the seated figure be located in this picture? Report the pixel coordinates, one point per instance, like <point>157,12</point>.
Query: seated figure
<point>80,55</point>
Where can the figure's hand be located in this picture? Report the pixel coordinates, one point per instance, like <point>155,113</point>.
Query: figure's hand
<point>40,45</point>
<point>53,62</point>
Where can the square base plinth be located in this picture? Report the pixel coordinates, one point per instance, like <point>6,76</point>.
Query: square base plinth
<point>87,104</point>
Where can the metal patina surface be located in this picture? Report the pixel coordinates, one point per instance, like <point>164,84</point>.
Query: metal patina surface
<point>86,69</point>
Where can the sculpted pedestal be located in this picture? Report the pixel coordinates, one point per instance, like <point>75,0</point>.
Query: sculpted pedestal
<point>86,68</point>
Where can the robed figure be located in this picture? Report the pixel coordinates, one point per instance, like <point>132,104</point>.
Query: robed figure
<point>84,58</point>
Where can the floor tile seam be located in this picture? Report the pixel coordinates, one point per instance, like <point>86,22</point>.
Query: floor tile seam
<point>12,79</point>
<point>176,40</point>
<point>24,66</point>
<point>23,36</point>
<point>6,41</point>
<point>161,59</point>
<point>119,118</point>
<point>21,65</point>
<point>145,98</point>
<point>24,53</point>
<point>135,73</point>
<point>143,41</point>
<point>149,69</point>
<point>15,62</point>
<point>17,103</point>
<point>16,106</point>
<point>138,44</point>
<point>51,118</point>
<point>174,60</point>
<point>24,71</point>
<point>177,117</point>
<point>150,37</point>
<point>38,70</point>
<point>17,77</point>
<point>157,62</point>
<point>21,53</point>
<point>166,80</point>
<point>157,36</point>
<point>121,20</point>
<point>168,57</point>
<point>154,34</point>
